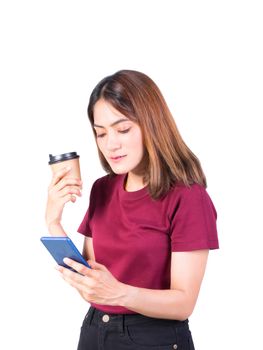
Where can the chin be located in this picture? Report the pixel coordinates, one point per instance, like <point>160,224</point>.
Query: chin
<point>119,172</point>
<point>121,169</point>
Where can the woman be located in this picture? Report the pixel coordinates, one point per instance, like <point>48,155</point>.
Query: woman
<point>149,226</point>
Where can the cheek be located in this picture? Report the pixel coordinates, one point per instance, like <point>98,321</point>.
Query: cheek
<point>138,148</point>
<point>101,149</point>
<point>138,139</point>
<point>137,144</point>
<point>100,145</point>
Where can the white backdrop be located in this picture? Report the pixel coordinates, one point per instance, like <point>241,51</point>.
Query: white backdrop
<point>206,57</point>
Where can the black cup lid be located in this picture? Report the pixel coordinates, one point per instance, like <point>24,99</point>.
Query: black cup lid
<point>62,157</point>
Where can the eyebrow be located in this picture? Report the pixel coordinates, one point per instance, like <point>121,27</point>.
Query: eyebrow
<point>113,124</point>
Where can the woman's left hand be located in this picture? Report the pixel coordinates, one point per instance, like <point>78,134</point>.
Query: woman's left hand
<point>96,285</point>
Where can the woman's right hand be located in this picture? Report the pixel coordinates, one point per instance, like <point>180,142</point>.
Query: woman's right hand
<point>61,190</point>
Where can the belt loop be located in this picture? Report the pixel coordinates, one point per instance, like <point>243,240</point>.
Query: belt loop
<point>91,314</point>
<point>123,324</point>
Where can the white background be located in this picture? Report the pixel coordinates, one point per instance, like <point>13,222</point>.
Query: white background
<point>206,57</point>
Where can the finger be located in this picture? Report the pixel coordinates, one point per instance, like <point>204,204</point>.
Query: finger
<point>68,181</point>
<point>81,285</point>
<point>66,199</point>
<point>73,199</point>
<point>59,268</point>
<point>80,268</point>
<point>57,176</point>
<point>73,278</point>
<point>71,275</point>
<point>69,190</point>
<point>96,266</point>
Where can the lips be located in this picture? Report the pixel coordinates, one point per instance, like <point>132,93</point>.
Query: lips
<point>116,158</point>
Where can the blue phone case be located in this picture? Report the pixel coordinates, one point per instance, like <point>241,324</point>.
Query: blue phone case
<point>63,247</point>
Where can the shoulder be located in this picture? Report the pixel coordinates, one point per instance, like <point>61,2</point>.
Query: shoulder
<point>101,181</point>
<point>106,180</point>
<point>105,185</point>
<point>190,197</point>
<point>181,191</point>
<point>193,219</point>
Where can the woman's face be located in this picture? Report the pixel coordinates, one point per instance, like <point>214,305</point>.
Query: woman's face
<point>118,138</point>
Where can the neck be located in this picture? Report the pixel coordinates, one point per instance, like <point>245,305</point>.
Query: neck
<point>134,182</point>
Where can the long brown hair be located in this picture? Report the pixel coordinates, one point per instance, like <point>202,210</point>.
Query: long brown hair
<point>168,159</point>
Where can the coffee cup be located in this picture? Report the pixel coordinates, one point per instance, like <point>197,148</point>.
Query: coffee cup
<point>64,160</point>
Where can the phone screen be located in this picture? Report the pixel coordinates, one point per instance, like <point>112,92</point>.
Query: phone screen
<point>63,247</point>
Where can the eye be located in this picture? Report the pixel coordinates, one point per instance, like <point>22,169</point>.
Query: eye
<point>100,135</point>
<point>124,131</point>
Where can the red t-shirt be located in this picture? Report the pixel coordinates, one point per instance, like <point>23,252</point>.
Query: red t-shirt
<point>134,235</point>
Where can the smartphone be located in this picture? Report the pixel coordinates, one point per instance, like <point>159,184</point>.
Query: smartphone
<point>63,247</point>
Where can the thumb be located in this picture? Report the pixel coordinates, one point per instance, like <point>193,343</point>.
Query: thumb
<point>96,266</point>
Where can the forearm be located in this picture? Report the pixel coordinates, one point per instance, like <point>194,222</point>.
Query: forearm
<point>167,304</point>
<point>56,230</point>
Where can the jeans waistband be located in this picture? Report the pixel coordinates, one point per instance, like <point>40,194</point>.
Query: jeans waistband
<point>97,316</point>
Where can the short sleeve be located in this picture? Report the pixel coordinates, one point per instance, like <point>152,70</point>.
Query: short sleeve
<point>193,224</point>
<point>84,227</point>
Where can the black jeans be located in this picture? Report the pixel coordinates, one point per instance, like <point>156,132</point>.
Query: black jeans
<point>101,331</point>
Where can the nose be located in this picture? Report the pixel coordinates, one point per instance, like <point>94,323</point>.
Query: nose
<point>113,142</point>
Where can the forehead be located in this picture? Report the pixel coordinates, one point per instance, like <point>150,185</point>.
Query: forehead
<point>104,113</point>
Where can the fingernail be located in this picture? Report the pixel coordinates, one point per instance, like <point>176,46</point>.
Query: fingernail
<point>66,260</point>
